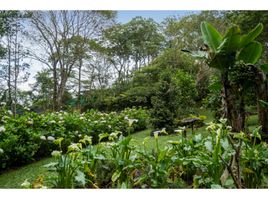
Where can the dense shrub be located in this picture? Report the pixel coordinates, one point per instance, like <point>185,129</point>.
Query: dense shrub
<point>30,136</point>
<point>174,98</point>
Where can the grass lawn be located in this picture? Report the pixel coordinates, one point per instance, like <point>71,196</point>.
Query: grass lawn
<point>14,178</point>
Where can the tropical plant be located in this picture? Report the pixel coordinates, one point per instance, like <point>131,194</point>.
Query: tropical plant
<point>223,52</point>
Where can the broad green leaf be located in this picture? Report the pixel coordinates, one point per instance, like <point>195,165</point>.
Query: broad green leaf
<point>222,61</point>
<point>208,145</point>
<point>231,40</point>
<point>216,186</point>
<point>211,36</point>
<point>197,138</point>
<point>116,175</point>
<point>197,54</point>
<point>264,68</point>
<point>225,143</point>
<point>80,178</point>
<point>102,136</point>
<point>263,103</point>
<point>247,38</point>
<point>251,53</point>
<point>123,185</point>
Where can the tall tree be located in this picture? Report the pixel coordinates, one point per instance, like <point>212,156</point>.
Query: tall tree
<point>54,33</point>
<point>133,45</point>
<point>14,69</point>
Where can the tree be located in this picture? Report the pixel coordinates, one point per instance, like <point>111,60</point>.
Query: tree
<point>42,91</point>
<point>184,33</point>
<point>56,33</point>
<point>228,53</point>
<point>14,69</point>
<point>133,45</point>
<point>174,96</point>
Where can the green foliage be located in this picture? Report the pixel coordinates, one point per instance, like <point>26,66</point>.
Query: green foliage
<point>226,50</point>
<point>211,36</point>
<point>174,94</point>
<point>197,161</point>
<point>30,136</point>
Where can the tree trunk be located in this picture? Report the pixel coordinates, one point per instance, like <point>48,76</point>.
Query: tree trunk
<point>9,73</point>
<point>261,92</point>
<point>61,89</point>
<point>234,104</point>
<point>79,85</point>
<point>55,85</point>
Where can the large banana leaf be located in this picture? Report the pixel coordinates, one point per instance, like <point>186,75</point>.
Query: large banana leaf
<point>231,40</point>
<point>251,53</point>
<point>222,61</point>
<point>197,54</point>
<point>247,38</point>
<point>211,36</point>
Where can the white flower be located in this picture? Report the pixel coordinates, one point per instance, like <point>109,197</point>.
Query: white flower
<point>178,131</point>
<point>223,120</point>
<point>9,112</point>
<point>3,103</point>
<point>50,138</point>
<point>126,117</point>
<point>109,126</point>
<point>26,108</point>
<point>43,137</point>
<point>30,121</point>
<point>75,147</point>
<point>2,129</point>
<point>156,133</point>
<point>52,121</point>
<point>1,151</point>
<point>26,184</point>
<point>56,154</point>
<point>81,118</point>
<point>131,121</point>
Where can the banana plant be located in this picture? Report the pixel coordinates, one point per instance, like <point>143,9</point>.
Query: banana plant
<point>223,52</point>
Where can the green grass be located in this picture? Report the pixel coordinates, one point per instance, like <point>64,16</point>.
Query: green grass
<point>14,178</point>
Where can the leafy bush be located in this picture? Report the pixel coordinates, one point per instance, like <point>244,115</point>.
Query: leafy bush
<point>31,136</point>
<point>174,97</point>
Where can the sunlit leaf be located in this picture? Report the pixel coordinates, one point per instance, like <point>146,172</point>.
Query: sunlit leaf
<point>211,36</point>
<point>251,53</point>
<point>249,37</point>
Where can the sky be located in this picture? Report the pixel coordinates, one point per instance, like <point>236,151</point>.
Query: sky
<point>122,17</point>
<point>158,16</point>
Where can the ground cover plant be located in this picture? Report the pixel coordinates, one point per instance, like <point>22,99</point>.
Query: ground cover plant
<point>197,161</point>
